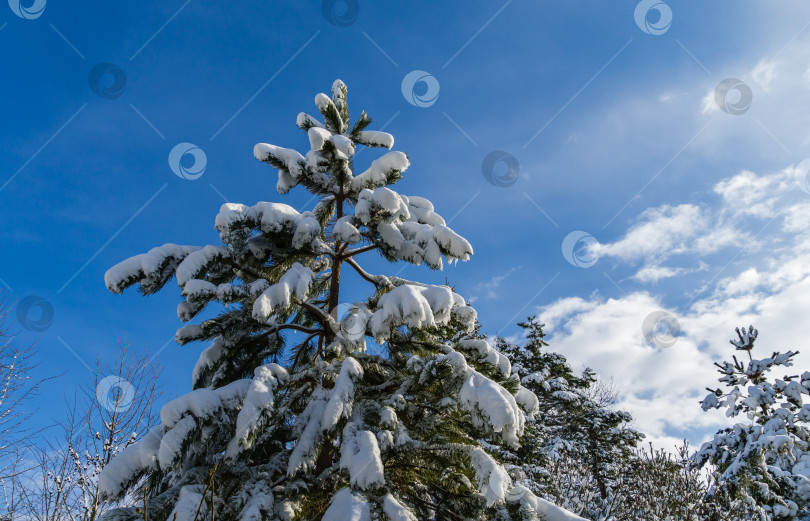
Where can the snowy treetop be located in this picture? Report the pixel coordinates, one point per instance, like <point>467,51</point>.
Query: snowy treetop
<point>770,448</point>
<point>287,403</point>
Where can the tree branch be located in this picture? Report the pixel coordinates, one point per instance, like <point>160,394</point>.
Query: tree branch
<point>279,327</point>
<point>298,354</point>
<point>363,273</point>
<point>323,317</point>
<point>250,271</point>
<point>356,251</point>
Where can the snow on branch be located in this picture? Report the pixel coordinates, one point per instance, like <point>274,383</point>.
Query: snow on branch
<point>342,394</point>
<point>305,121</point>
<point>128,465</point>
<point>346,506</point>
<point>325,409</point>
<point>416,306</point>
<point>259,401</point>
<point>188,503</point>
<point>210,357</point>
<point>360,455</point>
<point>259,503</point>
<point>294,283</point>
<point>383,170</point>
<point>408,228</point>
<point>199,293</point>
<point>383,202</point>
<point>492,406</point>
<point>182,416</point>
<point>151,269</point>
<point>395,510</point>
<point>344,148</point>
<point>375,138</point>
<point>271,218</point>
<point>526,399</point>
<point>317,137</point>
<point>487,354</point>
<point>422,211</point>
<point>308,434</point>
<point>345,231</point>
<point>290,164</point>
<point>746,338</point>
<point>540,507</point>
<point>493,481</point>
<point>339,91</point>
<point>198,262</point>
<point>199,290</point>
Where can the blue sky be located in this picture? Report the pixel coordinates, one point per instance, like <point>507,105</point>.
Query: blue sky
<point>693,211</point>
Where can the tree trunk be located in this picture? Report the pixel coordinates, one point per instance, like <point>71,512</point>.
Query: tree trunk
<point>597,474</point>
<point>328,449</point>
<point>334,283</point>
<point>325,457</point>
<point>334,297</point>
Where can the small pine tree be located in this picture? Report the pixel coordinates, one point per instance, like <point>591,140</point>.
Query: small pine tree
<point>764,462</point>
<point>290,417</point>
<point>579,423</point>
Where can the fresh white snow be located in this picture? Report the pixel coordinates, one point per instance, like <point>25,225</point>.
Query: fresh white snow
<point>360,455</point>
<point>294,283</point>
<point>346,506</point>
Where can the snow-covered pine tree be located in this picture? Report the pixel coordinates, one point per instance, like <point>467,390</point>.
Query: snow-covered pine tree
<point>764,461</point>
<point>579,423</point>
<point>290,418</point>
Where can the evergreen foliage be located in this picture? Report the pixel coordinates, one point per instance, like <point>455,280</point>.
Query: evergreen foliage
<point>290,417</point>
<point>762,461</point>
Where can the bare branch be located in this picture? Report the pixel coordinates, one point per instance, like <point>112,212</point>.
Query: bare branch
<point>114,410</point>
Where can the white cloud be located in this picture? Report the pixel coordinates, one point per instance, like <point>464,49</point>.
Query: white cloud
<point>655,273</point>
<point>661,232</point>
<point>749,194</point>
<point>668,96</point>
<point>764,73</point>
<point>606,335</point>
<point>767,287</point>
<point>778,117</point>
<point>747,202</point>
<point>652,273</point>
<point>662,387</point>
<point>708,105</point>
<point>488,288</point>
<point>797,217</point>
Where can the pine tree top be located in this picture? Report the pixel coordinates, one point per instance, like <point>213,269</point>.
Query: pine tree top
<point>763,458</point>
